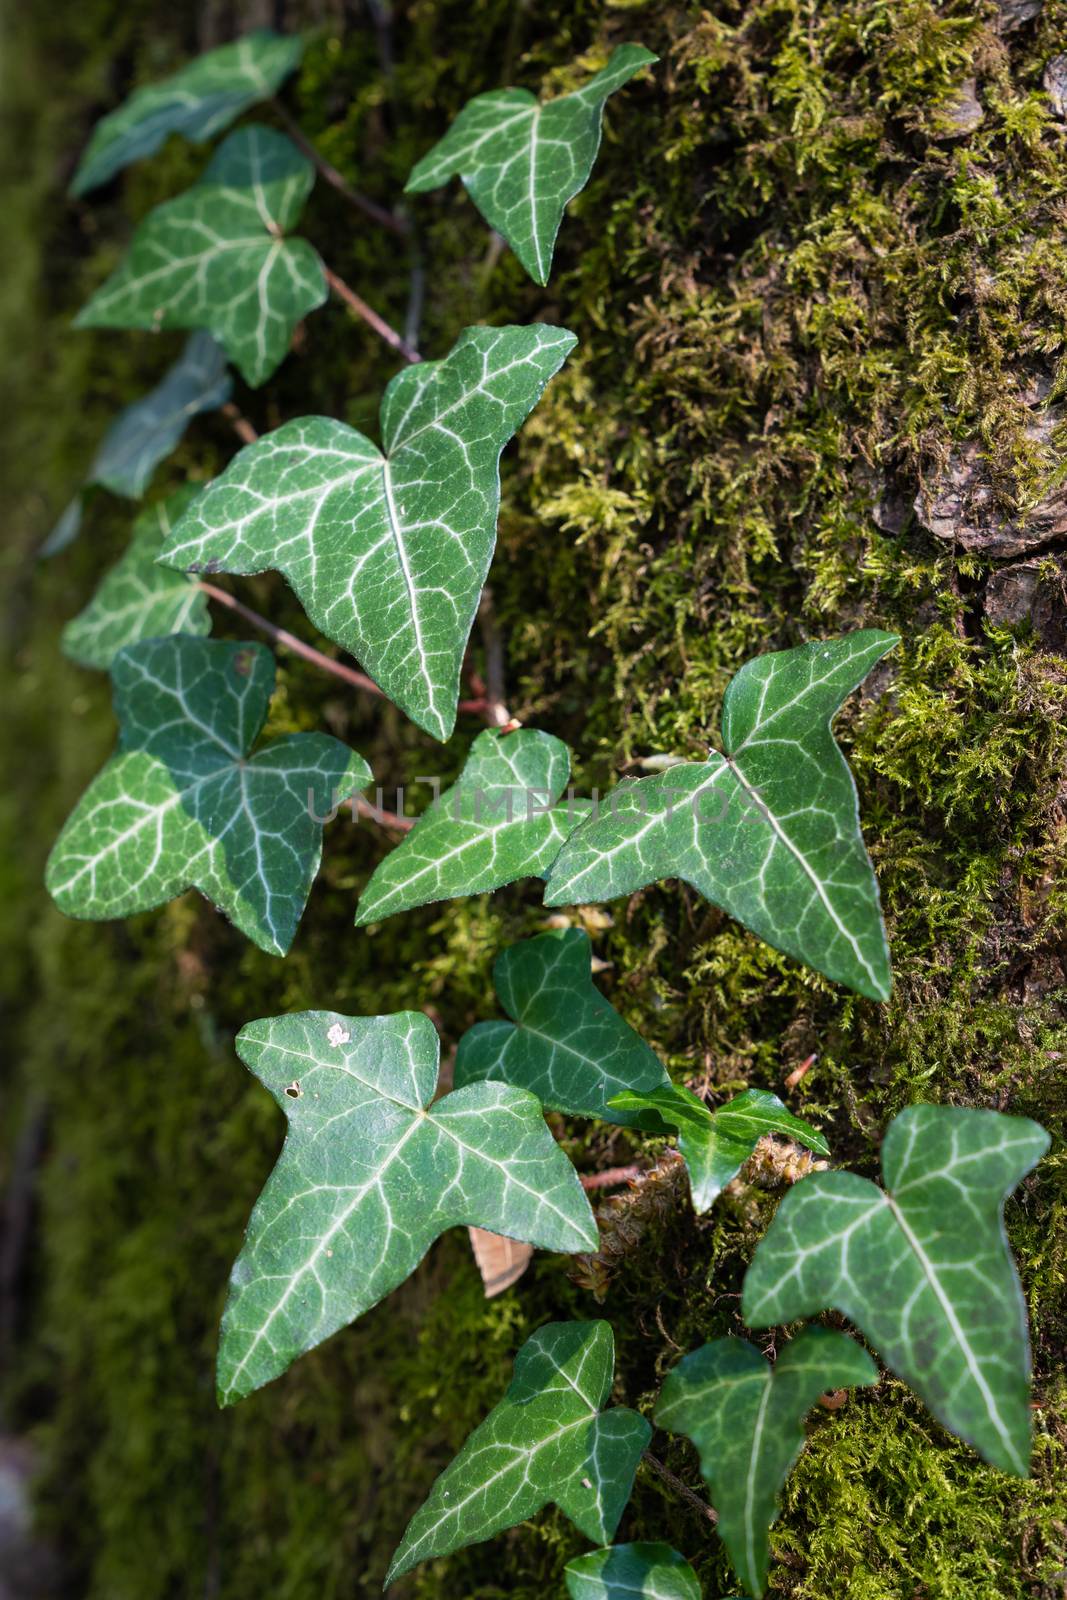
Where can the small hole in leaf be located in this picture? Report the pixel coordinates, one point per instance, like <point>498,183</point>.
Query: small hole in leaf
<point>293,1090</point>
<point>242,663</point>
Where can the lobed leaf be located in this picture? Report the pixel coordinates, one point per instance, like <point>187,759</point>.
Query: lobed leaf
<point>922,1267</point>
<point>745,1418</point>
<point>547,1442</point>
<point>567,1044</point>
<point>650,1571</point>
<point>715,1144</point>
<point>198,102</point>
<point>769,830</point>
<point>217,257</point>
<point>522,161</point>
<point>138,599</point>
<point>369,1176</point>
<point>499,822</point>
<point>185,804</point>
<point>386,550</point>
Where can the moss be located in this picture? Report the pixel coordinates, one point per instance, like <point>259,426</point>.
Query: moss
<point>794,297</point>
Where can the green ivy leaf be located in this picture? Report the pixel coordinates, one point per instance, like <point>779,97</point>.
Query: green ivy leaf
<point>522,161</point>
<point>198,102</point>
<point>547,1442</point>
<point>148,430</point>
<point>715,1144</point>
<point>922,1267</point>
<point>217,257</point>
<point>138,599</point>
<point>67,528</point>
<point>567,1045</point>
<point>184,805</point>
<point>769,831</point>
<point>370,1175</point>
<point>745,1418</point>
<point>142,435</point>
<point>650,1571</point>
<point>499,822</point>
<point>387,552</point>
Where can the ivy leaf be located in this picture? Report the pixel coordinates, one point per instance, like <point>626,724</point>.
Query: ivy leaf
<point>567,1045</point>
<point>387,552</point>
<point>497,823</point>
<point>522,161</point>
<point>715,1144</point>
<point>922,1267</point>
<point>547,1442</point>
<point>769,831</point>
<point>650,1571</point>
<point>745,1418</point>
<point>370,1175</point>
<point>142,435</point>
<point>199,101</point>
<point>217,257</point>
<point>183,804</point>
<point>138,599</point>
<point>148,430</point>
<point>67,528</point>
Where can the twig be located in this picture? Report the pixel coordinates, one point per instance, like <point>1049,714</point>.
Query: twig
<point>239,423</point>
<point>388,819</point>
<point>800,1072</point>
<point>285,640</point>
<point>681,1488</point>
<point>367,314</point>
<point>611,1177</point>
<point>289,641</point>
<point>361,201</point>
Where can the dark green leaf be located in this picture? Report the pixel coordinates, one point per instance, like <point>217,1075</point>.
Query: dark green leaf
<point>623,1571</point>
<point>388,551</point>
<point>500,821</point>
<point>769,831</point>
<point>548,1441</point>
<point>745,1417</point>
<point>138,599</point>
<point>570,1047</point>
<point>370,1174</point>
<point>199,101</point>
<point>183,804</point>
<point>218,257</point>
<point>146,432</point>
<point>521,161</point>
<point>922,1267</point>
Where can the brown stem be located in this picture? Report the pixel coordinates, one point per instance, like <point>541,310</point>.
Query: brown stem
<point>611,1177</point>
<point>367,314</point>
<point>369,207</point>
<point>680,1488</point>
<point>289,641</point>
<point>239,423</point>
<point>388,819</point>
<point>358,680</point>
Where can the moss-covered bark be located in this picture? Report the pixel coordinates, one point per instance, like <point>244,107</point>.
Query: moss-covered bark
<point>802,277</point>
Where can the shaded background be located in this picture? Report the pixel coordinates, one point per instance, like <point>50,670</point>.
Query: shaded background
<point>819,282</point>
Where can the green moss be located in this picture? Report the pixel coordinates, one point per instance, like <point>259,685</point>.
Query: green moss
<point>794,296</point>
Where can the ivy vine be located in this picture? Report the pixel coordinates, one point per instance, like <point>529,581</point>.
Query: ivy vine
<point>387,547</point>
